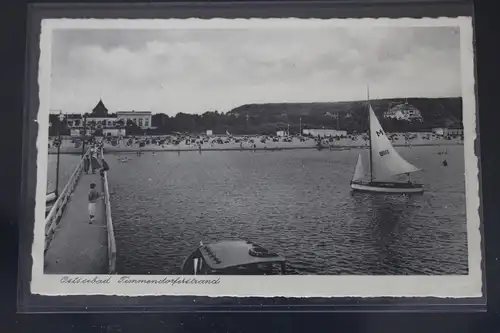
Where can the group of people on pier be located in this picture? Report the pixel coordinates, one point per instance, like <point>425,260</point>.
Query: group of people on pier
<point>94,161</point>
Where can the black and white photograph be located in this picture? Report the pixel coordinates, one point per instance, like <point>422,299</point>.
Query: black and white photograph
<point>257,157</point>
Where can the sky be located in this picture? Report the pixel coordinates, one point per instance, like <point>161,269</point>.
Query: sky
<point>199,70</point>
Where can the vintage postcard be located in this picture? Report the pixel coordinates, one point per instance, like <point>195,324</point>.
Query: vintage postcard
<point>257,157</point>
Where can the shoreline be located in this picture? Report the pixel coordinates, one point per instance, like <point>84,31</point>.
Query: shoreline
<point>108,149</point>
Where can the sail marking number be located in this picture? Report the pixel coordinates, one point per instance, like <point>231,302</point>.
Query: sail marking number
<point>385,151</point>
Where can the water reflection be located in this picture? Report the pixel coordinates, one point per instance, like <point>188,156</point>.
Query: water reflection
<point>386,218</point>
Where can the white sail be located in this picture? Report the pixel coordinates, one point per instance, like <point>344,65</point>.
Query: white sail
<point>195,265</point>
<point>359,172</point>
<point>386,162</point>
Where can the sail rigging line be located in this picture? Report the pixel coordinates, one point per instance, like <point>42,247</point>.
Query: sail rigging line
<point>369,131</point>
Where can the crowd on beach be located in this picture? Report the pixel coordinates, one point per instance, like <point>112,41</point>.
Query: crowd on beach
<point>259,142</point>
<point>263,142</point>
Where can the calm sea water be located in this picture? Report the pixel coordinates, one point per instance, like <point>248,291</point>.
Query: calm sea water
<point>296,202</point>
<point>67,164</point>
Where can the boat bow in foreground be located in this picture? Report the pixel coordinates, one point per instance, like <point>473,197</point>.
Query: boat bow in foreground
<point>233,258</point>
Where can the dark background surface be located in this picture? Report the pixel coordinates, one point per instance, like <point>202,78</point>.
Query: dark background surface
<point>13,30</point>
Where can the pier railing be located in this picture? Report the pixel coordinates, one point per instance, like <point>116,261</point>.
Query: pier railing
<point>54,216</point>
<point>109,224</point>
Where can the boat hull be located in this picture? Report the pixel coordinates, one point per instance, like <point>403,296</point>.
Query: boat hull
<point>387,187</point>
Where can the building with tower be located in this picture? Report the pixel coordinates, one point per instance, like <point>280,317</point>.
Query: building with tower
<point>101,122</point>
<point>404,111</point>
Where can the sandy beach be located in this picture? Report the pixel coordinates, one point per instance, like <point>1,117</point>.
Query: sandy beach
<point>421,139</point>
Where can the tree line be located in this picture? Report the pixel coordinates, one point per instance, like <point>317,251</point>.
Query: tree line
<point>267,119</point>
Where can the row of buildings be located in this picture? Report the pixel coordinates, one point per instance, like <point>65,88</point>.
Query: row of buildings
<point>114,124</point>
<point>109,124</point>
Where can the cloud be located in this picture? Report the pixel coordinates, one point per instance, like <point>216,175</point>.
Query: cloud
<point>199,70</point>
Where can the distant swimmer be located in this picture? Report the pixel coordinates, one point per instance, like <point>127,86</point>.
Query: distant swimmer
<point>445,162</point>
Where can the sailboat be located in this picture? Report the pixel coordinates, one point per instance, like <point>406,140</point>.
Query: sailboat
<point>385,163</point>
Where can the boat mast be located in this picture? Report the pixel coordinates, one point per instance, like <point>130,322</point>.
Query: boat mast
<point>369,132</point>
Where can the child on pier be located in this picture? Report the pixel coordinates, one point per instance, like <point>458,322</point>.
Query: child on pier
<point>93,197</point>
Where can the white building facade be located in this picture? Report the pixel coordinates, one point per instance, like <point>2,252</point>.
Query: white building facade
<point>142,119</point>
<point>324,132</point>
<point>447,131</point>
<point>404,112</point>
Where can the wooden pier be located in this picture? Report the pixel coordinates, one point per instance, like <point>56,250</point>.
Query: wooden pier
<point>73,245</point>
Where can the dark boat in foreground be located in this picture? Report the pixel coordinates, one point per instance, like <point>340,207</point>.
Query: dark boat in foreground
<point>233,258</point>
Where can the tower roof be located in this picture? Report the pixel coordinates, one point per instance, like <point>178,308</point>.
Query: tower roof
<point>99,110</point>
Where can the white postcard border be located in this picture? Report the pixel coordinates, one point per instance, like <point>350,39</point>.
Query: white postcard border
<point>455,286</point>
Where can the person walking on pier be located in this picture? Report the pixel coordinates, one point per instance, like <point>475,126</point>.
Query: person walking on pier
<point>94,164</point>
<point>86,164</point>
<point>93,197</point>
<point>105,168</point>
